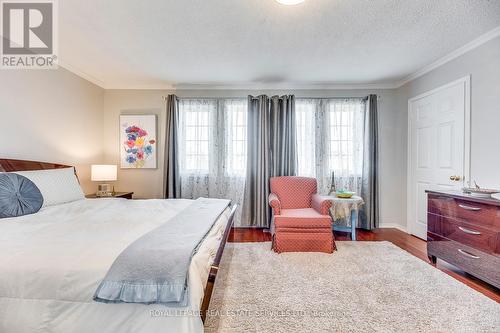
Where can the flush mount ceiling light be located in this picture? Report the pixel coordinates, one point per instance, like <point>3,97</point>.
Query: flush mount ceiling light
<point>290,2</point>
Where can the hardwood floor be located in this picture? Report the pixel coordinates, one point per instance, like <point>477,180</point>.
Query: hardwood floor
<point>245,235</point>
<point>409,243</point>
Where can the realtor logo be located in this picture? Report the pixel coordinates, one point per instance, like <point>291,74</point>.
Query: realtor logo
<point>28,34</point>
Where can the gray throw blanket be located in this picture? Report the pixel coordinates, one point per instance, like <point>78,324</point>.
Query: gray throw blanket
<point>154,268</point>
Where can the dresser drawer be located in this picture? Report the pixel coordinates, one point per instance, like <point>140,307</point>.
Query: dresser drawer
<point>472,212</point>
<point>476,236</point>
<point>473,261</point>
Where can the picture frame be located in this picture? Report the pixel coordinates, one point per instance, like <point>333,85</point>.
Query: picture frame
<point>138,141</point>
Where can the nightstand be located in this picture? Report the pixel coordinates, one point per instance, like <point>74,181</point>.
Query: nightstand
<point>125,195</point>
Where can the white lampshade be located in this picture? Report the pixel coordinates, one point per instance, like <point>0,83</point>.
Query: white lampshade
<point>103,173</point>
<point>290,2</point>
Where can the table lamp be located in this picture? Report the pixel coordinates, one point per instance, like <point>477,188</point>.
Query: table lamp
<point>103,173</point>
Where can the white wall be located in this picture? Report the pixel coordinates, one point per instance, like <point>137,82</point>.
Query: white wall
<point>483,66</point>
<point>51,116</point>
<point>149,183</point>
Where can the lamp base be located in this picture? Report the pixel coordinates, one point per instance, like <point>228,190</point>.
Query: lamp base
<point>104,190</point>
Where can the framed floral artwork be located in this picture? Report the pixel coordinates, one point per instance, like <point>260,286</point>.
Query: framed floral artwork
<point>138,141</point>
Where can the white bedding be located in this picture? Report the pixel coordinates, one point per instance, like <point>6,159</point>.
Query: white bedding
<point>52,262</point>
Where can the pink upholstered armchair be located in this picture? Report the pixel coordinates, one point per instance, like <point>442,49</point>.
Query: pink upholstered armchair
<point>301,219</point>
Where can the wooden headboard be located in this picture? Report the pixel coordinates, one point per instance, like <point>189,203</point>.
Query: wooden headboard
<point>8,165</point>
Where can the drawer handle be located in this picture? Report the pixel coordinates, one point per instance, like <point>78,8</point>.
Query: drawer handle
<point>468,231</point>
<point>475,209</point>
<point>467,254</point>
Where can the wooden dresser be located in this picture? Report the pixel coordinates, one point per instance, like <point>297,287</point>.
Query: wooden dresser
<point>465,231</point>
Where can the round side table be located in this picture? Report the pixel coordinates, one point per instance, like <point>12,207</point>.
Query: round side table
<point>343,208</point>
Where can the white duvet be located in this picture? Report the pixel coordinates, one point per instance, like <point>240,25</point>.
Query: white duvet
<point>51,263</point>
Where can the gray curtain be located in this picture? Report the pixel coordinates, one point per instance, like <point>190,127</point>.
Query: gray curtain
<point>369,215</point>
<point>283,145</point>
<point>271,151</point>
<point>171,172</point>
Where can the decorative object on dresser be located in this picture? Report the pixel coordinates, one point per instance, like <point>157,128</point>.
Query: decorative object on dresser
<point>103,173</point>
<point>465,231</point>
<point>479,191</point>
<point>138,141</point>
<point>125,195</point>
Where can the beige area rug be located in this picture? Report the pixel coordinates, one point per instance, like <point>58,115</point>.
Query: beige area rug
<point>363,287</point>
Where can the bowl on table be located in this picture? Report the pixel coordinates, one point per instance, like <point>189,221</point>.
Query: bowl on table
<point>344,194</point>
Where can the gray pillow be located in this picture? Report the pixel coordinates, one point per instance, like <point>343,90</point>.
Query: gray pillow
<point>18,196</point>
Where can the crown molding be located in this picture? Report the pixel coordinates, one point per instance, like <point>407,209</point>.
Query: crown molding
<point>451,56</point>
<point>121,86</point>
<point>284,86</point>
<point>254,86</point>
<point>82,74</point>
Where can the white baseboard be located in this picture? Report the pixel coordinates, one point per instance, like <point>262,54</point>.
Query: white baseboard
<point>393,225</point>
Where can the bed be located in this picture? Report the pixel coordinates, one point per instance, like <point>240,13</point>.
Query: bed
<point>51,263</point>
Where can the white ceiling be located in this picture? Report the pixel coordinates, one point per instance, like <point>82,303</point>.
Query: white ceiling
<point>159,43</point>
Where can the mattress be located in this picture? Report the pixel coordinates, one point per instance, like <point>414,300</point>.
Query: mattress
<point>51,263</point>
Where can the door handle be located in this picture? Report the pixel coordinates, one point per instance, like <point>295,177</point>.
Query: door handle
<point>468,231</point>
<point>455,178</point>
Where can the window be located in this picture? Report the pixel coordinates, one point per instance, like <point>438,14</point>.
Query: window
<point>212,149</point>
<point>236,125</point>
<point>212,136</point>
<point>345,133</point>
<point>330,139</point>
<point>195,134</point>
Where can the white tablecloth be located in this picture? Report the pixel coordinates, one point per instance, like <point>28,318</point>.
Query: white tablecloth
<point>342,207</point>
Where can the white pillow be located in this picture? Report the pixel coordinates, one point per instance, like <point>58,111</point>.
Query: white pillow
<point>57,185</point>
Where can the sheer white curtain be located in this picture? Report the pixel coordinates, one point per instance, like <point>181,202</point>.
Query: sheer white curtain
<point>212,149</point>
<point>330,137</point>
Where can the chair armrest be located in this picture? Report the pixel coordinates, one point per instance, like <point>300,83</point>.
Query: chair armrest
<point>320,204</point>
<point>275,203</point>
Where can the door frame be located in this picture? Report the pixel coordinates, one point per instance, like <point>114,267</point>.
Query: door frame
<point>465,81</point>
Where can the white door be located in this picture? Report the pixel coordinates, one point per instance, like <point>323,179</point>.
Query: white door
<point>438,147</point>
